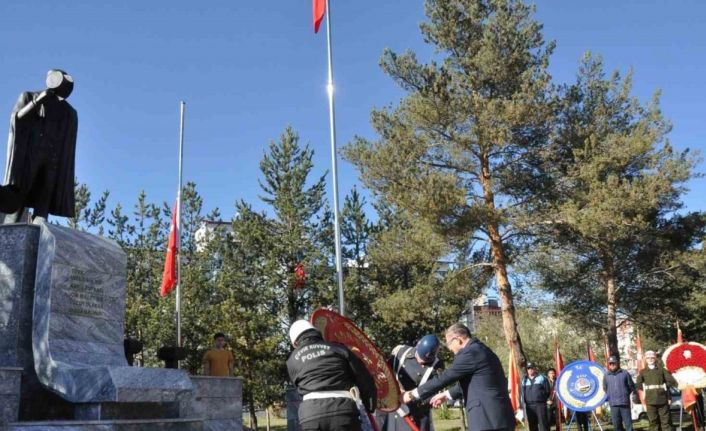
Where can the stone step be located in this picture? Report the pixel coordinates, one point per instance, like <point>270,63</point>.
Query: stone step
<point>111,425</point>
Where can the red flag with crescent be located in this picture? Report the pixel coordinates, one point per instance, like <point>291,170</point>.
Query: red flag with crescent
<point>318,8</point>
<point>169,275</point>
<point>299,276</point>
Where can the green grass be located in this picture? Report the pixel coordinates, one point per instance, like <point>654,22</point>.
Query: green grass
<point>450,420</point>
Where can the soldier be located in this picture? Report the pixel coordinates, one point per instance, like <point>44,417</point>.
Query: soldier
<point>325,374</point>
<point>414,366</point>
<point>619,386</point>
<point>654,381</point>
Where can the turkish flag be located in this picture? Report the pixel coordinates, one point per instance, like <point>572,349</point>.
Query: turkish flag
<point>591,355</point>
<point>640,363</point>
<point>299,276</point>
<point>559,365</point>
<point>513,382</point>
<point>319,9</point>
<point>169,276</point>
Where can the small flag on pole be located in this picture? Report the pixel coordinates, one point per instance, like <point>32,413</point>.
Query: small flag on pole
<point>589,349</point>
<point>513,382</point>
<point>640,355</point>
<point>559,365</point>
<point>299,276</point>
<point>169,276</point>
<point>680,337</point>
<point>319,10</point>
<point>640,363</point>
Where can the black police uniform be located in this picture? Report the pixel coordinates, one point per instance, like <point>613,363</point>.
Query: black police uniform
<point>323,372</point>
<point>411,374</point>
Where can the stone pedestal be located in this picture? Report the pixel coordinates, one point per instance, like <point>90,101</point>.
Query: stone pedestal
<point>9,394</point>
<point>112,425</point>
<point>18,264</point>
<point>218,401</point>
<point>62,352</point>
<point>18,256</point>
<point>78,326</point>
<point>293,399</point>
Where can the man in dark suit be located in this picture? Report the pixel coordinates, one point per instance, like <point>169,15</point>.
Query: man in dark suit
<point>482,383</point>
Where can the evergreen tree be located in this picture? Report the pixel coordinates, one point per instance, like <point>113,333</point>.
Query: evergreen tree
<point>617,241</point>
<point>88,218</point>
<point>355,237</point>
<point>463,148</point>
<point>414,292</point>
<point>254,308</point>
<point>296,227</point>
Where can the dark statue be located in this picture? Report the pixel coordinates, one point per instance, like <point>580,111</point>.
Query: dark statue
<point>41,150</point>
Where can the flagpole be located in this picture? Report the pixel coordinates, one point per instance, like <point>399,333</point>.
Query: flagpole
<point>334,171</point>
<point>178,222</point>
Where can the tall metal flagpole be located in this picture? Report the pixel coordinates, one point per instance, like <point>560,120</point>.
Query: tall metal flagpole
<point>178,223</point>
<point>334,171</point>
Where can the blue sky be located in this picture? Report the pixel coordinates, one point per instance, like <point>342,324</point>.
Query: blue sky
<point>247,69</point>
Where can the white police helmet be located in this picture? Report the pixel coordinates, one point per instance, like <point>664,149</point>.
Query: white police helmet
<point>298,328</point>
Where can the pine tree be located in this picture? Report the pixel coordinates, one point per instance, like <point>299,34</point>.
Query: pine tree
<point>355,238</point>
<point>463,148</point>
<point>296,226</point>
<point>617,238</point>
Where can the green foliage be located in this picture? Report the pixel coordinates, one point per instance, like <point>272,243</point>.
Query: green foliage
<point>613,239</point>
<point>540,328</point>
<point>463,149</point>
<point>296,230</point>
<point>414,292</point>
<point>88,218</point>
<point>259,265</point>
<point>356,230</point>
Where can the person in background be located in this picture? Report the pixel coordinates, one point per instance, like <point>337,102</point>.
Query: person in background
<point>219,361</point>
<point>551,403</point>
<point>619,386</point>
<point>535,396</point>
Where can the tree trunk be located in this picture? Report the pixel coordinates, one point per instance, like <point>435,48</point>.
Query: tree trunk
<point>608,278</point>
<point>267,412</point>
<point>253,416</point>
<point>500,268</point>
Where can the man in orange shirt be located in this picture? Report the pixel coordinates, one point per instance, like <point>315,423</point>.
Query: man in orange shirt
<point>218,361</point>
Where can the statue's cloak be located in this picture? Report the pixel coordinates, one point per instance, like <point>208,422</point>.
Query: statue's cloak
<point>47,133</point>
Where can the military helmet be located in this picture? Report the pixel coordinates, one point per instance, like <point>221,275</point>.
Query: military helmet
<point>427,348</point>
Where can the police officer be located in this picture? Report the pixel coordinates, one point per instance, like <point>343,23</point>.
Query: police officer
<point>325,374</point>
<point>535,394</point>
<point>414,366</point>
<point>654,381</point>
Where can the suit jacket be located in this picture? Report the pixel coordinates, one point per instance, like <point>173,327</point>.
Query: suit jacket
<point>484,387</point>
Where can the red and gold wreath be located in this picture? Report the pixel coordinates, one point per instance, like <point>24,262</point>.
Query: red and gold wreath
<point>687,363</point>
<point>335,327</point>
